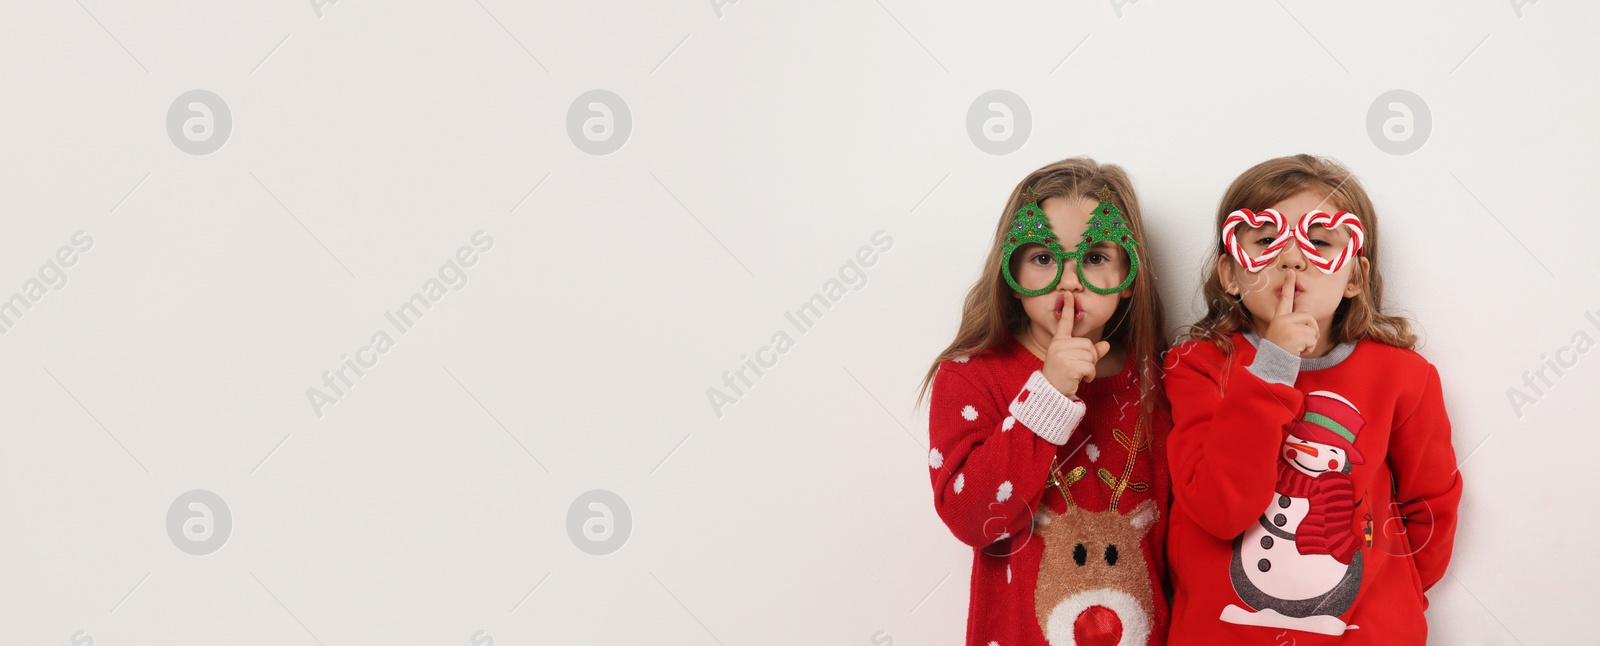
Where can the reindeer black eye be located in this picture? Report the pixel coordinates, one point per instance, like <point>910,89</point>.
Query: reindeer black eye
<point>1111,555</point>
<point>1079,554</point>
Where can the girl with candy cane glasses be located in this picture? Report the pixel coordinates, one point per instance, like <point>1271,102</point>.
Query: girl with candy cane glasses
<point>1314,482</point>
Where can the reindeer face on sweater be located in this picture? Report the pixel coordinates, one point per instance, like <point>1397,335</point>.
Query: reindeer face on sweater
<point>1094,585</point>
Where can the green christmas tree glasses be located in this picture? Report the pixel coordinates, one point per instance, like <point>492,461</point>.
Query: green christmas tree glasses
<point>1106,258</point>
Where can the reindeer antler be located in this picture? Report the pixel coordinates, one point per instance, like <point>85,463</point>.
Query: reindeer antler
<point>1139,442</point>
<point>1062,481</point>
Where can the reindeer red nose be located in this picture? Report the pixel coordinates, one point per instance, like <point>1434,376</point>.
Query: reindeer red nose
<point>1097,626</point>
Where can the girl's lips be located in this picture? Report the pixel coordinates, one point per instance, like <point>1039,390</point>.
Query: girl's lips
<point>1061,306</point>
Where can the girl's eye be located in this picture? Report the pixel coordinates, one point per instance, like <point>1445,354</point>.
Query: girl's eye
<point>1095,258</point>
<point>1264,240</point>
<point>1043,258</point>
<point>1321,243</point>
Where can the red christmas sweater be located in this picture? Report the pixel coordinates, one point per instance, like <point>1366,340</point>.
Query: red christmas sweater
<point>1076,556</point>
<point>1314,500</point>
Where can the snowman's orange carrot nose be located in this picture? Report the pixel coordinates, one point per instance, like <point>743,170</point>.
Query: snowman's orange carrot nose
<point>1308,450</point>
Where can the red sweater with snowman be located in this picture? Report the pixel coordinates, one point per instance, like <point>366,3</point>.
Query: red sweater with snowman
<point>1313,499</point>
<point>1064,502</point>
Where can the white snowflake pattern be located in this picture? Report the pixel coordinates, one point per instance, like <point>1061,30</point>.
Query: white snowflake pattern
<point>1004,493</point>
<point>935,458</point>
<point>1093,451</point>
<point>970,413</point>
<point>1008,574</point>
<point>1010,422</point>
<point>961,481</point>
<point>962,359</point>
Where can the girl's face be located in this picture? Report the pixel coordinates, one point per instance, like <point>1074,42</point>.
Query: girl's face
<point>1034,264</point>
<point>1316,293</point>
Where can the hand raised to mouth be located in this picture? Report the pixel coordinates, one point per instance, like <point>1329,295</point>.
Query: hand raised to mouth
<point>1291,327</point>
<point>1071,360</point>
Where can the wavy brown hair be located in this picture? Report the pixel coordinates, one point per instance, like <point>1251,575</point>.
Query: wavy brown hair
<point>1270,182</point>
<point>992,312</point>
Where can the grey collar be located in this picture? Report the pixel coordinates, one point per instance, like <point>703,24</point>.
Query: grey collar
<point>1329,360</point>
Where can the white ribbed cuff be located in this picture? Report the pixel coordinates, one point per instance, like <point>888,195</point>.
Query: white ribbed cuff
<point>1045,411</point>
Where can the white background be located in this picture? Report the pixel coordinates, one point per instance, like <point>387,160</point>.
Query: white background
<point>769,141</point>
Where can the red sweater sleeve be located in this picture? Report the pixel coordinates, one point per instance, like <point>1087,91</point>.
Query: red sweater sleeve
<point>1227,425</point>
<point>1427,481</point>
<point>990,465</point>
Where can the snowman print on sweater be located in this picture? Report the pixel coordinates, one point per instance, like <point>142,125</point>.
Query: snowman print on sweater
<point>1299,566</point>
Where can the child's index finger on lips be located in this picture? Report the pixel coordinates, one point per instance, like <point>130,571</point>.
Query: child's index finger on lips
<point>1300,305</point>
<point>1064,324</point>
<point>1286,294</point>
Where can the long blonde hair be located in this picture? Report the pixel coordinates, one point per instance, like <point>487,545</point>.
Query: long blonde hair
<point>992,312</point>
<point>1270,182</point>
